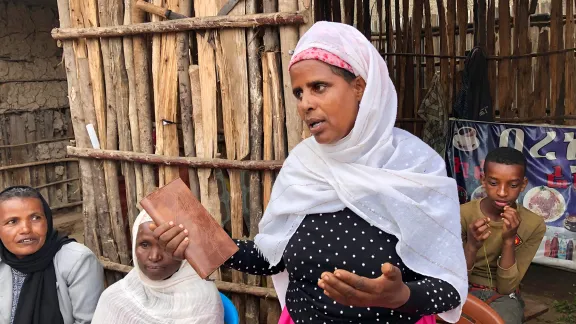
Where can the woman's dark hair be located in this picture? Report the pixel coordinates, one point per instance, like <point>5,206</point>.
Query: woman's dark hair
<point>19,192</point>
<point>347,75</point>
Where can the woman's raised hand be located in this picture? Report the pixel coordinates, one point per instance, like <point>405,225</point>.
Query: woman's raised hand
<point>387,291</point>
<point>173,238</point>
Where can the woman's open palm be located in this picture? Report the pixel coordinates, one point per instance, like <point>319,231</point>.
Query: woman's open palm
<point>387,291</point>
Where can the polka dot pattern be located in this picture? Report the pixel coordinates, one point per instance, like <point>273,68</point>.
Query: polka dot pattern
<point>342,240</point>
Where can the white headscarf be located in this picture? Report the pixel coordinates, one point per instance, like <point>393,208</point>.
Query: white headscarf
<point>182,298</point>
<point>387,176</point>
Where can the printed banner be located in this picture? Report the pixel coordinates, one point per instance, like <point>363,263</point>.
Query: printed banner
<point>551,171</point>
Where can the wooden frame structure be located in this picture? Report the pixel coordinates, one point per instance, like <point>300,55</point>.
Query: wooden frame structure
<point>153,99</point>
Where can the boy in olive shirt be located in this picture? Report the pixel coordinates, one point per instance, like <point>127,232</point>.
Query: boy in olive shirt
<point>500,237</point>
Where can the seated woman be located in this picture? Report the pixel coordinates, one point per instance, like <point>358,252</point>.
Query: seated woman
<point>44,277</point>
<point>160,289</point>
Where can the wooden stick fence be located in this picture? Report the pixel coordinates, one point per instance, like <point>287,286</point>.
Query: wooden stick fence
<point>210,100</point>
<point>159,111</point>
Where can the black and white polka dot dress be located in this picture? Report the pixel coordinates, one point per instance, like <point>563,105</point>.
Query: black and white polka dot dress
<point>343,240</point>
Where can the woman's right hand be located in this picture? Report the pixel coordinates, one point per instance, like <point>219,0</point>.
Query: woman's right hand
<point>478,232</point>
<point>172,238</point>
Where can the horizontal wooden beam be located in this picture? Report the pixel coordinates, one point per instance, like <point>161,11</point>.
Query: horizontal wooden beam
<point>69,205</point>
<point>52,140</point>
<point>56,183</point>
<point>6,111</point>
<point>221,285</point>
<point>37,163</point>
<point>190,162</point>
<point>489,58</point>
<point>32,80</point>
<point>535,119</point>
<point>536,20</point>
<point>179,25</point>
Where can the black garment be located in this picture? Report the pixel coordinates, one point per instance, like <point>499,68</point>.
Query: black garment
<point>38,302</point>
<point>326,242</point>
<point>474,101</point>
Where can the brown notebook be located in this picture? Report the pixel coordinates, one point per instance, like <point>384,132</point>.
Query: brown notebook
<point>209,245</point>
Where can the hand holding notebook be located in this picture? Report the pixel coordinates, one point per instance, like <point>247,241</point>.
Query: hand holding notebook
<point>210,246</point>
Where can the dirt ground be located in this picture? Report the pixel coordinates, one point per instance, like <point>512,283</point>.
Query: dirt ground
<point>547,285</point>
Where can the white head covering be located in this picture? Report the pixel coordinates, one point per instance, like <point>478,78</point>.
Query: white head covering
<point>387,176</point>
<point>182,298</point>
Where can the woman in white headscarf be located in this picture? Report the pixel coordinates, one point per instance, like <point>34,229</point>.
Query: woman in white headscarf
<point>159,289</point>
<point>362,216</point>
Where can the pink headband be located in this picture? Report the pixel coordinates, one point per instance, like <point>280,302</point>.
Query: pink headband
<point>319,54</point>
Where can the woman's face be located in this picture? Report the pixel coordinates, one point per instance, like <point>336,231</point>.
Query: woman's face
<point>153,260</point>
<point>327,103</point>
<point>23,225</point>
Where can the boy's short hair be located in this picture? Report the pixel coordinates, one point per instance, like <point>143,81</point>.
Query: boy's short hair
<point>506,155</point>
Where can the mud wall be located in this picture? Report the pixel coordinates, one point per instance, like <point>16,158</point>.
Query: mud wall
<point>35,124</point>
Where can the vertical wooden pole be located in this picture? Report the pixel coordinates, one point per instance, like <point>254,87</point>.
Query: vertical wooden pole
<point>132,105</point>
<point>306,6</point>
<point>417,13</point>
<point>206,127</point>
<point>185,91</point>
<point>288,41</point>
<point>89,14</point>
<point>399,48</point>
<point>444,63</point>
<point>429,44</point>
<point>542,77</point>
<point>380,15</point>
<point>278,107</point>
<point>271,40</point>
<point>209,195</point>
<point>80,134</point>
<point>462,28</point>
<point>348,12</point>
<point>523,46</point>
<point>505,79</point>
<point>480,23</point>
<point>360,16</point>
<point>404,61</point>
<point>233,72</point>
<point>390,36</point>
<point>122,96</point>
<point>556,60</point>
<point>451,29</point>
<point>166,102</point>
<point>570,77</point>
<point>143,98</point>
<point>112,57</point>
<point>255,204</point>
<point>273,307</point>
<point>491,47</point>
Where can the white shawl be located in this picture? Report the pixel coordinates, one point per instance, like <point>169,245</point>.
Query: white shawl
<point>182,298</point>
<point>387,176</point>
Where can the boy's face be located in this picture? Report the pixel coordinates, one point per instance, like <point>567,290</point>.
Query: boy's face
<point>503,183</point>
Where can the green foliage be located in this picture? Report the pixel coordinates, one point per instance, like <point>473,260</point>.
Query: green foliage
<point>567,309</point>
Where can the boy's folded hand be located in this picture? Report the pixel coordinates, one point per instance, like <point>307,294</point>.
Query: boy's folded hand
<point>478,232</point>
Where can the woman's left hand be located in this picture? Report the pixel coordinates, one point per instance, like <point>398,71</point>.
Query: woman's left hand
<point>386,291</point>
